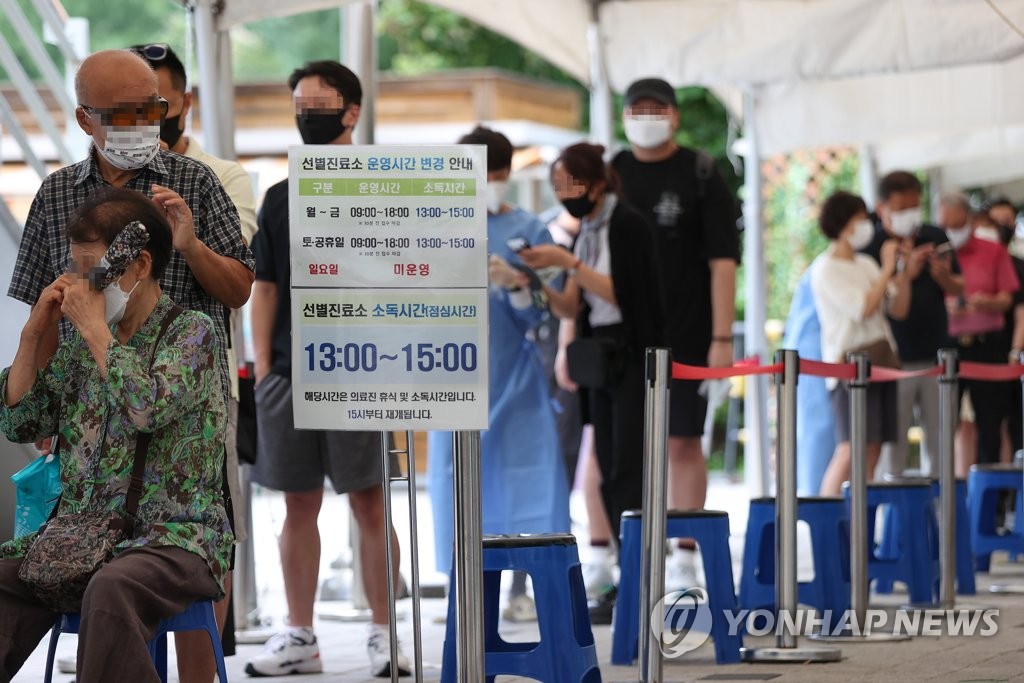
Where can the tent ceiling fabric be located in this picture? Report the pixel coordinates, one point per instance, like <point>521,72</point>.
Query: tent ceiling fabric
<point>731,42</point>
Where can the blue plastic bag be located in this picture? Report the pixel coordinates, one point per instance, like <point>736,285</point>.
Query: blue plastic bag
<point>37,486</point>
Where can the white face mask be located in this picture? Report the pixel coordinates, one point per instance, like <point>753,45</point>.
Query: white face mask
<point>116,300</point>
<point>958,236</point>
<point>496,192</point>
<point>863,231</point>
<point>989,234</point>
<point>647,131</point>
<point>906,222</point>
<point>130,147</point>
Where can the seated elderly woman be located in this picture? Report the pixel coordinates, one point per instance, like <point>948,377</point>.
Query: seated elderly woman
<point>135,378</point>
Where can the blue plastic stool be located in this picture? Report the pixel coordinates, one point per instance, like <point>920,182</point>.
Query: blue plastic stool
<point>829,591</point>
<point>985,484</point>
<point>910,554</point>
<point>711,531</point>
<point>198,617</point>
<point>566,652</point>
<point>965,584</point>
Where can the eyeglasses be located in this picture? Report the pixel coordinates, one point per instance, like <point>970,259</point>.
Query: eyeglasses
<point>156,52</point>
<point>129,114</point>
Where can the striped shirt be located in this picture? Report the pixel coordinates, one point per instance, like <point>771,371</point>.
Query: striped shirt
<point>45,252</point>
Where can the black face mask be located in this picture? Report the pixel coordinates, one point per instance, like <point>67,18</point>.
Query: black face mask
<point>1006,233</point>
<point>320,126</point>
<point>170,130</point>
<point>578,207</point>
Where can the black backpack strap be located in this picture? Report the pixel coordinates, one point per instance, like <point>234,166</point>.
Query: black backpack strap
<point>135,484</point>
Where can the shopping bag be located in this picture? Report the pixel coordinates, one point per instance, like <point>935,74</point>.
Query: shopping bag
<point>37,488</point>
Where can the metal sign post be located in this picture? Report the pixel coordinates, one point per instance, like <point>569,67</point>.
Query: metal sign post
<point>414,550</point>
<point>469,559</point>
<point>859,580</point>
<point>947,477</point>
<point>389,553</point>
<point>652,567</point>
<point>786,649</point>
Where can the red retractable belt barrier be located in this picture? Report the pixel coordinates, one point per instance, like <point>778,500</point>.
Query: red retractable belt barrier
<point>987,372</point>
<point>747,366</point>
<point>990,372</point>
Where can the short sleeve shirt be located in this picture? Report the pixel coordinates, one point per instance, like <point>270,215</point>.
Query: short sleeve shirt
<point>987,269</point>
<point>44,252</point>
<point>694,221</point>
<point>271,249</point>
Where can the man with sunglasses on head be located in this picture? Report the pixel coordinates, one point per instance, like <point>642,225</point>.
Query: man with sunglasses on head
<point>195,658</point>
<point>120,108</point>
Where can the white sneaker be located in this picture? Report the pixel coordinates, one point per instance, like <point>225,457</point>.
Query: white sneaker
<point>597,572</point>
<point>521,608</point>
<point>378,647</point>
<point>681,571</point>
<point>290,652</point>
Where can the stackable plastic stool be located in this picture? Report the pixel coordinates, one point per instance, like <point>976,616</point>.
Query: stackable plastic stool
<point>711,531</point>
<point>198,617</point>
<point>829,591</point>
<point>911,553</point>
<point>965,584</point>
<point>985,484</point>
<point>566,652</point>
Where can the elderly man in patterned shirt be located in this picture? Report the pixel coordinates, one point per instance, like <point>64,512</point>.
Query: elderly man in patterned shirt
<point>119,106</point>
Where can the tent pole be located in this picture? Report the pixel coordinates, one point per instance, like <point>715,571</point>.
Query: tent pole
<point>206,55</point>
<point>868,175</point>
<point>602,115</point>
<point>756,396</point>
<point>226,93</point>
<point>359,53</point>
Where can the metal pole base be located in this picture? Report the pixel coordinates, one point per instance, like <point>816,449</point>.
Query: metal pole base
<point>790,655</point>
<point>254,636</point>
<point>1007,589</point>
<point>348,614</point>
<point>851,637</point>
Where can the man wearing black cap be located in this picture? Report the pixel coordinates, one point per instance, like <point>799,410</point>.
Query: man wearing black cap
<point>693,215</point>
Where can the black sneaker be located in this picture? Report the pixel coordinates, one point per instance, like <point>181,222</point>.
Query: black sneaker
<point>602,606</point>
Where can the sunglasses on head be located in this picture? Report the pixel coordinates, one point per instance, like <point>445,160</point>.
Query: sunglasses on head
<point>155,52</point>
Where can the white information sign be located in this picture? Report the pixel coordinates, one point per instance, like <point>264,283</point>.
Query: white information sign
<point>389,287</point>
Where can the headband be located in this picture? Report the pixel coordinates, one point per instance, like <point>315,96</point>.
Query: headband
<point>125,248</point>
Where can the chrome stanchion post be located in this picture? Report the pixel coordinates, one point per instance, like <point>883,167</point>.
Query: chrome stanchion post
<point>786,649</point>
<point>652,567</point>
<point>859,512</point>
<point>389,554</point>
<point>469,559</point>
<point>414,558</point>
<point>947,477</point>
<point>859,490</point>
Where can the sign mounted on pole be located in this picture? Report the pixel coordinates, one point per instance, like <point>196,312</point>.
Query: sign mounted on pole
<point>389,286</point>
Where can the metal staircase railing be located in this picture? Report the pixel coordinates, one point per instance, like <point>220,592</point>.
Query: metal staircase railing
<point>56,26</point>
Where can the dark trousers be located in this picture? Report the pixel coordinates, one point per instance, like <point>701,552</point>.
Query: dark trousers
<point>617,414</point>
<point>123,604</point>
<point>992,401</point>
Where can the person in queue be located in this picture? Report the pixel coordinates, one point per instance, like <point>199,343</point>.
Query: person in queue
<point>853,295</point>
<point>612,295</point>
<point>134,364</point>
<point>328,98</point>
<point>522,475</point>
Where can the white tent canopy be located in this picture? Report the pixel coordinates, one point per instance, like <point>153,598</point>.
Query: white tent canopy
<point>716,42</point>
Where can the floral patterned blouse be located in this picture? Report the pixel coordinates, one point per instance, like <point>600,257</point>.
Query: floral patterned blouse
<point>175,393</point>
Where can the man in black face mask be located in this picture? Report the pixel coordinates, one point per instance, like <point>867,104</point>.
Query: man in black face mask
<point>327,98</point>
<point>195,663</point>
